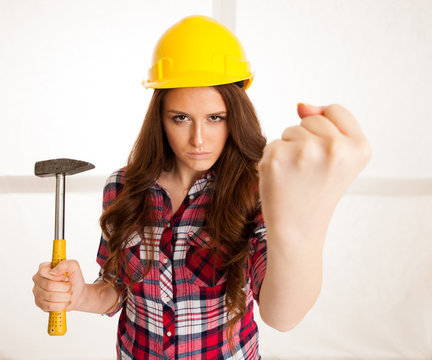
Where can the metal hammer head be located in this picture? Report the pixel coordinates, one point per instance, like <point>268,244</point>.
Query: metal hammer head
<point>61,166</point>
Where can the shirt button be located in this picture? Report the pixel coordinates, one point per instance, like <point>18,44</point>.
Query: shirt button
<point>165,260</point>
<point>191,197</point>
<point>190,233</point>
<point>169,333</point>
<point>208,176</point>
<point>207,239</point>
<point>168,225</point>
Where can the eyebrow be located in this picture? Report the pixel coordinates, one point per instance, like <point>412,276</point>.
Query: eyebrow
<point>184,113</point>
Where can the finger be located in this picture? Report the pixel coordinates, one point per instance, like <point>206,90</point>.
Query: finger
<point>44,268</point>
<point>68,267</point>
<point>296,132</point>
<point>53,296</point>
<point>320,126</point>
<point>50,285</point>
<point>308,110</point>
<point>51,301</point>
<point>50,306</point>
<point>343,120</point>
<point>45,271</point>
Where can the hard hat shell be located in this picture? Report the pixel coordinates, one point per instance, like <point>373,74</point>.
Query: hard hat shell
<point>198,51</point>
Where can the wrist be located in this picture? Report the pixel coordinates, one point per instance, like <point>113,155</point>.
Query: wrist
<point>294,240</point>
<point>81,298</point>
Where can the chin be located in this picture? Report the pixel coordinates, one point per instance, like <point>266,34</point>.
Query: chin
<point>202,168</point>
<point>201,165</point>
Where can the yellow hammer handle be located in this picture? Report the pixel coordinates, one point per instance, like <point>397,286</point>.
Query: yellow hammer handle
<point>57,319</point>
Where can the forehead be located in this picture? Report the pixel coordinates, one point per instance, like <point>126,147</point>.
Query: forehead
<point>204,99</point>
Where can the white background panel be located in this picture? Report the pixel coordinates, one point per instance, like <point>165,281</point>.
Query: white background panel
<point>373,57</point>
<point>70,86</point>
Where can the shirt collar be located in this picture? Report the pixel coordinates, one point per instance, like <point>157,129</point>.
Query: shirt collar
<point>200,183</point>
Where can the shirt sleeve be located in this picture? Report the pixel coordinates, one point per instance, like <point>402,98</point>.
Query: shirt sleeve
<point>258,255</point>
<point>112,188</point>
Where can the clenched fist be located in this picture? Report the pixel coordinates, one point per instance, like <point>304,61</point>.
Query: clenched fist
<point>55,291</point>
<point>304,174</point>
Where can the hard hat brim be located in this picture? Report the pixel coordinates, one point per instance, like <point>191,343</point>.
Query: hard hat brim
<point>197,79</point>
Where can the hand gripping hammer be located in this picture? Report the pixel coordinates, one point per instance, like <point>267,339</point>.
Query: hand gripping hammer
<point>59,168</point>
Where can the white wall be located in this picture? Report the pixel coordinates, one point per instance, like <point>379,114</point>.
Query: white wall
<point>70,86</point>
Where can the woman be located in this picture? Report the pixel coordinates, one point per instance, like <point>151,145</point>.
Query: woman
<point>190,237</point>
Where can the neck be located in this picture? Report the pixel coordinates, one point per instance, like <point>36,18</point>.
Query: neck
<point>183,176</point>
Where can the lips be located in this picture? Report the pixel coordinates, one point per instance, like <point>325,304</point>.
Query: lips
<point>199,155</point>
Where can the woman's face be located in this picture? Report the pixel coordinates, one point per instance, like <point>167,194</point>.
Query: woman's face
<point>194,120</point>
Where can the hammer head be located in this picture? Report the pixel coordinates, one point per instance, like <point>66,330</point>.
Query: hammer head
<point>58,166</point>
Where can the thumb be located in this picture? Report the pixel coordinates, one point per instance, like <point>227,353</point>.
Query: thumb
<point>68,268</point>
<point>307,110</point>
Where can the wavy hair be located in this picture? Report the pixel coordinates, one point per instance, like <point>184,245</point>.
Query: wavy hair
<point>232,206</point>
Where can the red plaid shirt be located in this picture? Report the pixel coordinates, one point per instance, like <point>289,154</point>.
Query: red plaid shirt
<point>178,310</point>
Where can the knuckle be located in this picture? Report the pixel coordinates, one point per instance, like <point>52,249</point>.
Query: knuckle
<point>269,154</point>
<point>311,150</point>
<point>335,148</point>
<point>37,303</point>
<point>310,144</point>
<point>274,152</point>
<point>275,155</point>
<point>339,154</point>
<point>37,280</point>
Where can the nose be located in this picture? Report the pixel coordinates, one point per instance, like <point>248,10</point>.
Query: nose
<point>197,135</point>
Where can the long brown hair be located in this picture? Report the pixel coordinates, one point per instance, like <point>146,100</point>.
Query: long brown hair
<point>232,204</point>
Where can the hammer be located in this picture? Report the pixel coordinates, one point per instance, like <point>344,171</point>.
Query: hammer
<point>59,168</point>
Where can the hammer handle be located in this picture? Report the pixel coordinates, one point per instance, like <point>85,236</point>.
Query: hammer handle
<point>57,319</point>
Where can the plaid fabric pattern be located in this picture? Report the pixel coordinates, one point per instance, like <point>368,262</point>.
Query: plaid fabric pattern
<point>178,310</point>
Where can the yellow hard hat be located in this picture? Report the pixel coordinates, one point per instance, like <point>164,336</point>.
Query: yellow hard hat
<point>198,51</point>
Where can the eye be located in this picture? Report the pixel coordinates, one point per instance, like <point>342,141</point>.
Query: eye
<point>180,118</point>
<point>216,118</point>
